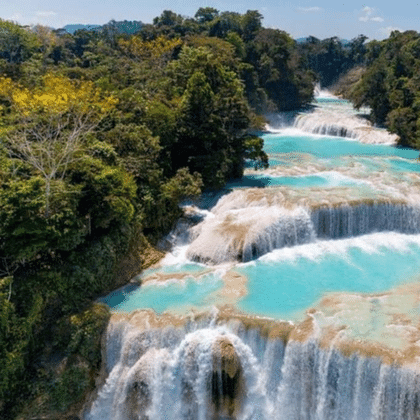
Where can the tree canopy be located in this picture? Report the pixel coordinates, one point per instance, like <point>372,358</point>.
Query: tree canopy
<point>390,85</point>
<point>102,133</point>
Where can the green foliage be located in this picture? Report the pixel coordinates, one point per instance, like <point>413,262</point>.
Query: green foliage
<point>107,193</point>
<point>161,118</point>
<point>222,49</point>
<point>85,331</point>
<point>25,230</point>
<point>17,335</point>
<point>168,18</point>
<point>403,121</point>
<point>182,185</point>
<point>137,150</point>
<point>69,375</point>
<point>251,24</point>
<point>276,80</point>
<point>79,338</point>
<point>330,58</point>
<point>213,117</point>
<point>69,387</point>
<point>225,23</point>
<point>102,133</point>
<point>234,39</point>
<point>391,85</point>
<point>206,14</point>
<point>254,151</point>
<point>16,43</point>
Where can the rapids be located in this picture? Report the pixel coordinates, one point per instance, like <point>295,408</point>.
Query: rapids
<point>292,293</point>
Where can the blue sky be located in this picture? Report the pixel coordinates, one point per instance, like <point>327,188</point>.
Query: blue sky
<point>320,18</point>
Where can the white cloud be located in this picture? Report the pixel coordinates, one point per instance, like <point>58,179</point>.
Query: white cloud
<point>309,9</point>
<point>387,31</point>
<point>367,13</point>
<point>45,14</point>
<point>43,17</point>
<point>368,10</point>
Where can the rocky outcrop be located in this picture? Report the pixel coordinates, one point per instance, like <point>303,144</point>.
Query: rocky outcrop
<point>226,380</point>
<point>138,392</point>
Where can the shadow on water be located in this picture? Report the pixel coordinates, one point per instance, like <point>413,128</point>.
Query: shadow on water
<point>120,295</point>
<point>249,182</point>
<point>404,147</point>
<point>365,116</point>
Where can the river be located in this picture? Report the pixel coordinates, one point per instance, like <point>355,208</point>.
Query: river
<point>293,293</point>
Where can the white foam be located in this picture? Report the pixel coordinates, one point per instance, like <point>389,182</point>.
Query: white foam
<point>176,374</point>
<point>248,232</point>
<point>323,93</point>
<point>343,124</point>
<point>335,178</point>
<point>369,244</point>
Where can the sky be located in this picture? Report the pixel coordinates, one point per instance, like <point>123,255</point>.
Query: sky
<point>300,18</point>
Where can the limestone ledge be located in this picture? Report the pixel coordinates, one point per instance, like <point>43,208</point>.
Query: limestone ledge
<point>385,326</point>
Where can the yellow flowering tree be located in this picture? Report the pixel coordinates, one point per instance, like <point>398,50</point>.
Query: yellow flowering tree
<point>156,51</point>
<point>50,123</point>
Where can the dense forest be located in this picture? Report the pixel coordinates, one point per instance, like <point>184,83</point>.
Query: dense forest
<point>331,58</point>
<point>390,85</point>
<point>383,75</point>
<point>103,132</point>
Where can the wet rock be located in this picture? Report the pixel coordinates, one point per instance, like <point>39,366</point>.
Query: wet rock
<point>138,394</point>
<point>225,358</point>
<point>226,382</point>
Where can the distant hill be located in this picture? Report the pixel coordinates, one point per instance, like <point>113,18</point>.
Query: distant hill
<point>343,42</point>
<point>123,27</point>
<point>71,29</point>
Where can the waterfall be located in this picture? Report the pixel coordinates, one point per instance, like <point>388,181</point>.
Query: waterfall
<point>360,219</point>
<point>244,229</point>
<point>342,124</point>
<point>280,120</point>
<point>203,370</point>
<point>248,233</point>
<point>355,356</point>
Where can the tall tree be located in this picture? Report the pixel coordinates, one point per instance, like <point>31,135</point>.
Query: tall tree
<point>51,122</point>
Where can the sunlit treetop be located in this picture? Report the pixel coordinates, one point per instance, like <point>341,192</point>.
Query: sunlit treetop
<point>136,47</point>
<point>57,95</point>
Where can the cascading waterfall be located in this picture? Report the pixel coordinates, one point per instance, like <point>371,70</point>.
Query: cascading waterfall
<point>259,227</point>
<point>249,233</point>
<point>353,352</point>
<point>353,220</point>
<point>202,371</point>
<point>342,124</point>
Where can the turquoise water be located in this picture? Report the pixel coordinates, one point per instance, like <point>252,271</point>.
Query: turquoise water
<point>405,166</point>
<point>331,147</point>
<point>284,289</point>
<point>260,181</point>
<point>190,293</point>
<point>285,283</point>
<point>331,99</point>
